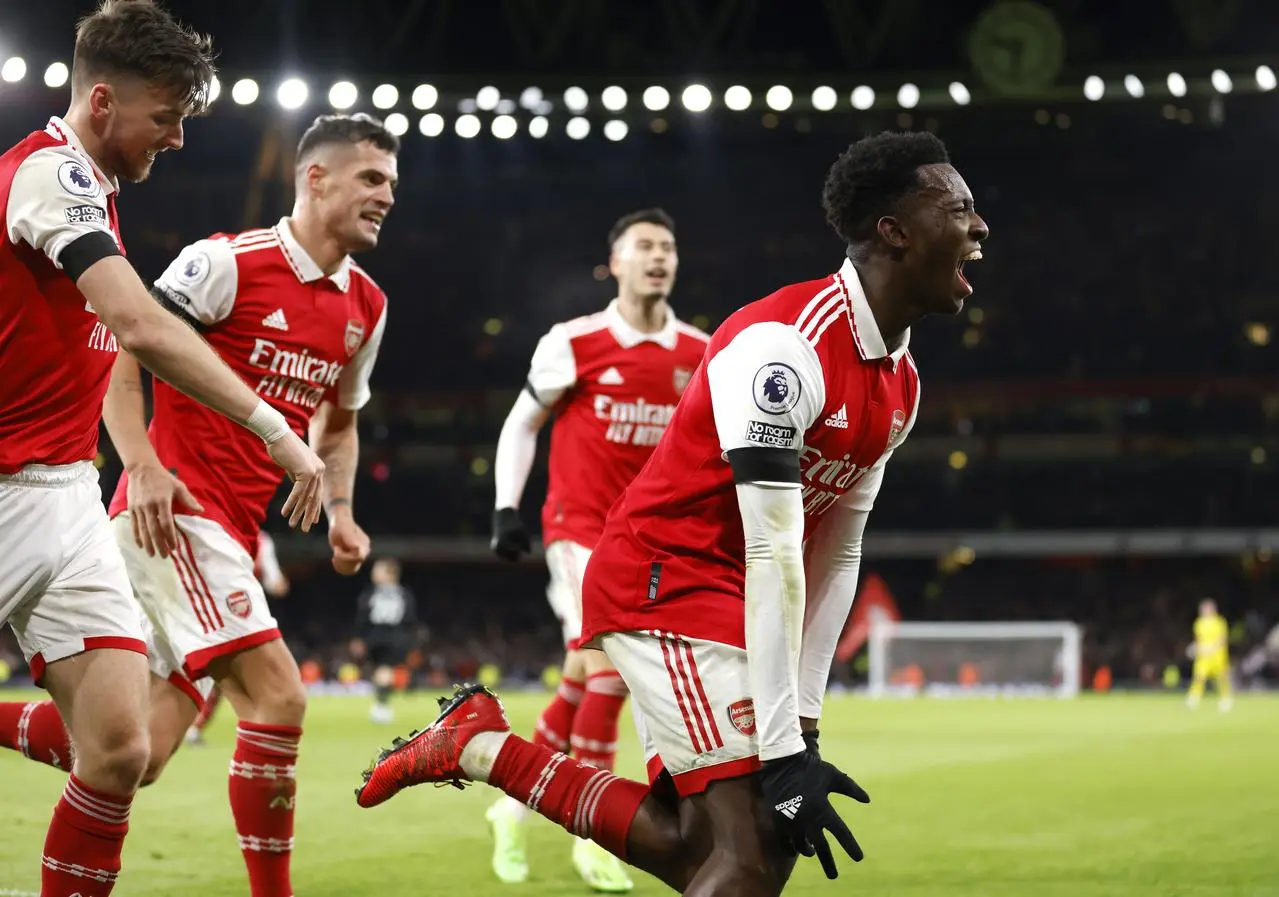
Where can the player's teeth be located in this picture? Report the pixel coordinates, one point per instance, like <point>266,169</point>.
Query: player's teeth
<point>973,256</point>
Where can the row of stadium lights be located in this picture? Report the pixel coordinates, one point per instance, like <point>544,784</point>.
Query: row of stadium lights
<point>293,93</point>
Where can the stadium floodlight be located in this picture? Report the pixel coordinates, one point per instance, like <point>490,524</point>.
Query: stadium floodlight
<point>1135,88</point>
<point>385,96</point>
<point>696,98</point>
<point>824,98</point>
<point>488,97</point>
<point>908,96</point>
<point>1094,88</point>
<point>656,98</point>
<point>244,91</point>
<point>959,93</point>
<point>576,100</point>
<point>397,123</point>
<point>779,98</point>
<point>14,69</point>
<point>215,87</point>
<point>504,127</point>
<point>1265,78</point>
<point>530,97</point>
<point>505,106</point>
<point>431,124</point>
<point>737,98</point>
<point>538,126</point>
<point>424,97</point>
<point>863,97</point>
<point>56,75</point>
<point>466,126</point>
<point>342,95</point>
<point>1221,81</point>
<point>291,93</point>
<point>974,659</point>
<point>577,128</point>
<point>1176,84</point>
<point>613,98</point>
<point>615,129</point>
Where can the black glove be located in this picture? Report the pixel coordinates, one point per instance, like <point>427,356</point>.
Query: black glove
<point>798,788</point>
<point>810,743</point>
<point>510,539</point>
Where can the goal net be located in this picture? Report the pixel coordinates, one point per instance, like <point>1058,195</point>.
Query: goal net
<point>909,658</point>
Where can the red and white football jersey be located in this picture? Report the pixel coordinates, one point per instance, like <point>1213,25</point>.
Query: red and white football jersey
<point>805,368</point>
<point>296,336</point>
<point>613,389</point>
<point>55,355</point>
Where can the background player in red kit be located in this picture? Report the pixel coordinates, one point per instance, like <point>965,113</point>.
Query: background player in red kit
<point>293,315</point>
<point>68,302</point>
<point>612,380</point>
<point>727,569</point>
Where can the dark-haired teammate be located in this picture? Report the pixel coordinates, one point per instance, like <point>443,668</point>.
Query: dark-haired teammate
<point>289,311</point>
<point>727,568</point>
<point>68,302</point>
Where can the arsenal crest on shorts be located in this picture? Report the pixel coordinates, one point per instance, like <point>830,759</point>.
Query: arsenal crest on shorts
<point>239,604</point>
<point>682,376</point>
<point>742,715</point>
<point>354,337</point>
<point>898,424</point>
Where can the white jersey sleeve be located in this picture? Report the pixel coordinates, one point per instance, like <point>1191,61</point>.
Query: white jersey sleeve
<point>353,384</point>
<point>201,282</point>
<point>767,388</point>
<point>56,199</point>
<point>553,370</point>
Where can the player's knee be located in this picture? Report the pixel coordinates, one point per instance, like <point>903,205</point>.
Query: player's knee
<point>154,767</point>
<point>729,873</point>
<point>284,705</point>
<point>116,758</point>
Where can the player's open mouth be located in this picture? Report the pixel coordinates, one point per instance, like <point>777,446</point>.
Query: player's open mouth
<point>374,218</point>
<point>974,256</point>
<point>151,154</point>
<point>656,273</point>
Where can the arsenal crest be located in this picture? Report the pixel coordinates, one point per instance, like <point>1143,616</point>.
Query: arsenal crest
<point>742,715</point>
<point>898,424</point>
<point>354,337</point>
<point>682,376</point>
<point>239,604</point>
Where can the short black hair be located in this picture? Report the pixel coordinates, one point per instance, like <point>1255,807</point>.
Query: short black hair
<point>869,178</point>
<point>643,216</point>
<point>357,128</point>
<point>140,38</point>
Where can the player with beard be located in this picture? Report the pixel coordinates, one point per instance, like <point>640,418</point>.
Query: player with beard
<point>611,380</point>
<point>727,569</point>
<point>288,309</point>
<point>68,302</point>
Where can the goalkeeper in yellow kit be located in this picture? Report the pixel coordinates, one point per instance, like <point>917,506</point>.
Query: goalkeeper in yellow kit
<point>1211,654</point>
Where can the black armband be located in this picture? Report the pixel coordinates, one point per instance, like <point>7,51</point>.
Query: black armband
<point>756,464</point>
<point>173,302</point>
<point>83,253</point>
<point>528,387</point>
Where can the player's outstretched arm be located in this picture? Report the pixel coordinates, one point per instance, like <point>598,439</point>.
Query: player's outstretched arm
<point>512,464</point>
<point>153,490</point>
<point>552,373</point>
<point>174,352</point>
<point>335,436</point>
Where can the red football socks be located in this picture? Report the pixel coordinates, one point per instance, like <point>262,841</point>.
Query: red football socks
<point>556,722</point>
<point>594,735</point>
<point>35,730</point>
<point>262,786</point>
<point>82,849</point>
<point>589,802</point>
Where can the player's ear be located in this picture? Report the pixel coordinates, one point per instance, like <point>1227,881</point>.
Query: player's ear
<point>316,178</point>
<point>891,232</point>
<point>614,263</point>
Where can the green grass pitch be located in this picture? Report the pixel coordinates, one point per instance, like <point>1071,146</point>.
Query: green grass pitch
<point>1130,796</point>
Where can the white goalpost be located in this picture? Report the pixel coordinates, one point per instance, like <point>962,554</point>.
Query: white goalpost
<point>909,658</point>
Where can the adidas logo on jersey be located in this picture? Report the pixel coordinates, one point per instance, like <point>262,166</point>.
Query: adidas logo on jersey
<point>789,808</point>
<point>276,320</point>
<point>611,377</point>
<point>838,420</point>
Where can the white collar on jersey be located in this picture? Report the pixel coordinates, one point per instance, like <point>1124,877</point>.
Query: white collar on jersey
<point>866,333</point>
<point>302,264</point>
<point>61,130</point>
<point>628,337</point>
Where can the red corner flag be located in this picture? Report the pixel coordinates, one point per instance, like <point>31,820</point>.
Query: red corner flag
<point>874,603</point>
